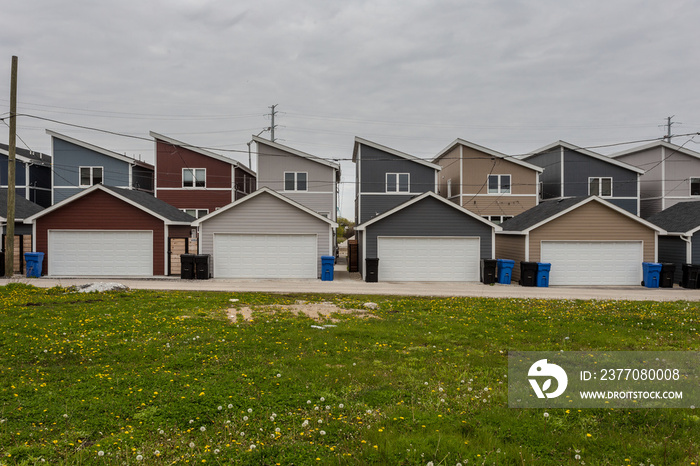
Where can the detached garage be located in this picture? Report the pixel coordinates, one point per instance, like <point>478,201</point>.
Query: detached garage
<point>266,235</point>
<point>427,239</point>
<point>588,241</point>
<point>107,231</point>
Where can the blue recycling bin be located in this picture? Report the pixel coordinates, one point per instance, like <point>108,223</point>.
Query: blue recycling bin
<point>327,263</point>
<point>34,263</point>
<point>505,270</point>
<point>543,269</point>
<point>651,274</point>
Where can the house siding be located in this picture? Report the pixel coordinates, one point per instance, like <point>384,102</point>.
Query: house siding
<point>593,222</point>
<point>695,249</point>
<point>511,247</point>
<point>649,207</point>
<point>499,205</point>
<point>551,177</point>
<point>429,217</point>
<point>373,166</point>
<point>101,211</point>
<point>650,160</point>
<point>68,157</point>
<point>265,214</point>
<point>679,169</point>
<point>579,167</point>
<point>672,249</point>
<point>450,171</point>
<point>38,190</point>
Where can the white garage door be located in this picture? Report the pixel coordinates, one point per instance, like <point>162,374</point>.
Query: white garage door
<point>593,262</point>
<point>428,259</point>
<point>265,256</point>
<point>91,253</point>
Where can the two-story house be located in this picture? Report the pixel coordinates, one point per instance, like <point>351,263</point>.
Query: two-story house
<point>32,174</point>
<point>198,180</point>
<point>309,180</point>
<point>671,175</point>
<point>487,182</point>
<point>571,171</point>
<point>77,165</point>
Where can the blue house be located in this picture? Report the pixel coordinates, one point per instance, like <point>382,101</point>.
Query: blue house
<point>571,171</point>
<point>32,174</point>
<point>77,165</point>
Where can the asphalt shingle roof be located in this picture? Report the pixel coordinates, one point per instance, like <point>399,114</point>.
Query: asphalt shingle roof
<point>539,213</point>
<point>23,207</point>
<point>678,218</point>
<point>154,205</point>
<point>30,154</point>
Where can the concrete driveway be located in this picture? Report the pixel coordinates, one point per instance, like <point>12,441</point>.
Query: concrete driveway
<point>347,283</point>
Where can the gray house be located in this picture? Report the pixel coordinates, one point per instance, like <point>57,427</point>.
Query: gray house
<point>309,180</point>
<point>672,175</point>
<point>571,171</point>
<point>32,174</point>
<point>386,178</point>
<point>427,238</point>
<point>681,245</point>
<point>77,165</point>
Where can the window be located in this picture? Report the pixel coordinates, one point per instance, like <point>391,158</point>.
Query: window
<point>499,184</point>
<point>295,181</point>
<point>695,186</point>
<point>196,213</point>
<point>90,176</point>
<point>497,219</point>
<point>397,183</point>
<point>194,177</point>
<point>600,187</point>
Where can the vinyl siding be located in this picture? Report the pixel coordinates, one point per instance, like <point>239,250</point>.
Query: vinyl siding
<point>450,171</point>
<point>196,198</point>
<point>695,249</point>
<point>579,167</point>
<point>511,247</point>
<point>273,163</point>
<point>593,222</point>
<point>551,177</point>
<point>679,169</point>
<point>672,250</point>
<point>499,204</point>
<point>650,161</point>
<point>649,207</point>
<point>101,211</point>
<point>265,214</point>
<point>170,160</point>
<point>429,217</point>
<point>374,205</point>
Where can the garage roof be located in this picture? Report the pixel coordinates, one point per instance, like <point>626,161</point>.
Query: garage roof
<point>23,207</point>
<point>683,218</point>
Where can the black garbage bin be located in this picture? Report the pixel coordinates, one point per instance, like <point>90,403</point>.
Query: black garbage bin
<point>488,271</point>
<point>528,273</point>
<point>201,265</point>
<point>2,264</point>
<point>668,270</point>
<point>372,270</point>
<point>690,276</point>
<point>187,266</point>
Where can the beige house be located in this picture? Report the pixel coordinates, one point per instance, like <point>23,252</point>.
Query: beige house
<point>588,241</point>
<point>491,184</point>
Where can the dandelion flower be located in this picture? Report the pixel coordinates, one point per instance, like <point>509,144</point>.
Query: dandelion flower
<point>216,451</point>
<point>242,434</point>
<point>250,410</point>
<point>341,406</point>
<point>323,432</point>
<point>245,418</point>
<point>220,408</point>
<point>157,452</point>
<point>320,421</point>
<point>230,406</point>
<point>546,415</point>
<point>253,447</point>
<point>278,430</point>
<point>191,444</point>
<point>100,453</point>
<point>203,429</point>
<point>191,421</point>
<point>279,375</point>
<point>323,399</point>
<point>139,458</point>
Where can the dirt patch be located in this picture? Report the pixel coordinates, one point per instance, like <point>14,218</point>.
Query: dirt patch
<point>317,311</point>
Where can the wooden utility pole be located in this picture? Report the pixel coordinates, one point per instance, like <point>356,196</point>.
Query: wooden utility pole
<point>10,228</point>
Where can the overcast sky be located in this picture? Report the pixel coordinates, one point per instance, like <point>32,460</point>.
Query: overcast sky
<point>413,75</point>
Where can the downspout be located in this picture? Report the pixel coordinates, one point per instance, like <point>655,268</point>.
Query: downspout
<point>688,248</point>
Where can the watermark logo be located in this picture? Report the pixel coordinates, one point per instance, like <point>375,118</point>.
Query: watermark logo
<point>543,369</point>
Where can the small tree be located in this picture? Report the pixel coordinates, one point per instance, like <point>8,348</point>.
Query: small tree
<point>346,229</point>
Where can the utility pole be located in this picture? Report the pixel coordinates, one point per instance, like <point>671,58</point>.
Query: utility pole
<point>10,228</point>
<point>669,123</point>
<point>273,112</point>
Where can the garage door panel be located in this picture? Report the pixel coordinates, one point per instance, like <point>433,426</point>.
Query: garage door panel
<point>428,259</point>
<point>265,256</point>
<point>100,253</point>
<point>593,262</point>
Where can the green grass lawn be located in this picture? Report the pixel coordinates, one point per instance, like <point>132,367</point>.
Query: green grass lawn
<point>148,377</point>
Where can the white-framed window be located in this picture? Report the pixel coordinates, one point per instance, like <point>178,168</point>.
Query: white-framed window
<point>398,183</point>
<point>499,184</point>
<point>196,213</point>
<point>600,186</point>
<point>296,181</point>
<point>497,219</point>
<point>194,177</point>
<point>695,186</point>
<point>449,188</point>
<point>90,176</point>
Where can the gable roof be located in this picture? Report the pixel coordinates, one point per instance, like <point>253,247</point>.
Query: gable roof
<point>651,145</point>
<point>547,211</point>
<point>683,218</point>
<point>583,151</point>
<point>139,199</point>
<point>99,150</point>
<point>359,140</point>
<point>258,193</point>
<point>23,208</point>
<point>417,199</point>
<point>298,153</point>
<point>488,151</point>
<point>201,151</point>
<point>27,156</point>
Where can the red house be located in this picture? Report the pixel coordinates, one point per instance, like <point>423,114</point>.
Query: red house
<point>196,180</point>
